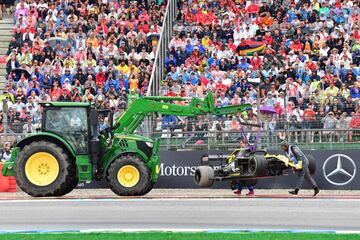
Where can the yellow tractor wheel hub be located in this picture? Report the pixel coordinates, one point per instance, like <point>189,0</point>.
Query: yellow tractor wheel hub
<point>128,176</point>
<point>42,169</point>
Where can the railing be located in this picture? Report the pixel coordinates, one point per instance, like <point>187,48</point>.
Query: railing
<point>12,132</point>
<point>177,139</point>
<point>329,139</point>
<point>157,74</point>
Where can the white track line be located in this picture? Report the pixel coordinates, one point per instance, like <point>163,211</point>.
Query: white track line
<point>172,199</point>
<point>189,230</point>
<point>130,230</point>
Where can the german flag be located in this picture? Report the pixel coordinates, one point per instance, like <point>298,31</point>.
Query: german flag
<point>248,47</point>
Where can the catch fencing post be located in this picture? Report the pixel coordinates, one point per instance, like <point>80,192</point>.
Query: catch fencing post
<point>5,119</point>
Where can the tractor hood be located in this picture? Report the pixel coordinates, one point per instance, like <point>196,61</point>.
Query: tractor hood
<point>134,137</point>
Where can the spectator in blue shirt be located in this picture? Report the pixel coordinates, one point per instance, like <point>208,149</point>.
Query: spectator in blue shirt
<point>189,48</point>
<point>68,75</point>
<point>193,78</point>
<point>169,122</point>
<point>243,64</point>
<point>213,60</point>
<point>355,91</point>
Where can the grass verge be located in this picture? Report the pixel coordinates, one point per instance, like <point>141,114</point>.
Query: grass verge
<point>180,236</point>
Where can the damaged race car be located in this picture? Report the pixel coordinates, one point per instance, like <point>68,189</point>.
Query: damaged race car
<point>246,165</point>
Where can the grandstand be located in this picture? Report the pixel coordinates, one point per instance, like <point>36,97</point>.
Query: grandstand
<point>299,59</point>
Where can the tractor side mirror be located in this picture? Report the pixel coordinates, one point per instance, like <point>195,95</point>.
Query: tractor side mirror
<point>111,119</point>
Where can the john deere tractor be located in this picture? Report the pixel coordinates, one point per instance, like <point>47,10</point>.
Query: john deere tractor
<point>70,149</point>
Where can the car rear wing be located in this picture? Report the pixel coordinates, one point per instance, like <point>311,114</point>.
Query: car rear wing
<point>211,159</point>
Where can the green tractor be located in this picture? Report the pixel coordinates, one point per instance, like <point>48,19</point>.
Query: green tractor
<point>70,149</point>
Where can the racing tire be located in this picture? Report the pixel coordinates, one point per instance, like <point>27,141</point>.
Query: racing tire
<point>128,175</point>
<point>44,169</point>
<point>204,176</point>
<point>260,164</point>
<point>248,183</point>
<point>312,164</point>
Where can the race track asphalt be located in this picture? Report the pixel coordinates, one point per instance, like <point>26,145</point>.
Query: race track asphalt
<point>202,213</point>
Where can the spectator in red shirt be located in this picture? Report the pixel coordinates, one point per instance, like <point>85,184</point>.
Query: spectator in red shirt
<point>100,78</point>
<point>231,45</point>
<point>220,86</point>
<point>309,122</point>
<point>171,93</point>
<point>296,46</point>
<point>56,91</point>
<point>252,9</point>
<point>189,16</point>
<point>255,62</point>
<point>354,125</point>
<point>268,38</point>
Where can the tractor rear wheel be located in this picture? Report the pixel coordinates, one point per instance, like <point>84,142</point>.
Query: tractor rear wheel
<point>44,169</point>
<point>204,176</point>
<point>72,185</point>
<point>129,176</point>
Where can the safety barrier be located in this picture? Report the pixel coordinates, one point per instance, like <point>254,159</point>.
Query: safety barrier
<point>334,170</point>
<point>7,184</point>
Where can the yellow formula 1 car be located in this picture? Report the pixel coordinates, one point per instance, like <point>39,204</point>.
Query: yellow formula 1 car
<point>246,166</point>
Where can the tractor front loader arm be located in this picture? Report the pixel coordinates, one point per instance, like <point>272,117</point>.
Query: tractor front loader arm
<point>141,107</point>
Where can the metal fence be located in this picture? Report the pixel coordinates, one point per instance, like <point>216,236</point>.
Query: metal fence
<point>329,139</point>
<point>158,70</point>
<point>177,138</point>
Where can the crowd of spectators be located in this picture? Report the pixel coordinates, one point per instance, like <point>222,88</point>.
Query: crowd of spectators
<point>79,51</point>
<point>308,73</point>
<point>103,51</point>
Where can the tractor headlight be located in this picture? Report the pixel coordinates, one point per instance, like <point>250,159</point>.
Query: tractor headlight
<point>157,169</point>
<point>150,144</point>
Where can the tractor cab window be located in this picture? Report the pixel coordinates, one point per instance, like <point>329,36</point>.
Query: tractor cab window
<point>70,123</point>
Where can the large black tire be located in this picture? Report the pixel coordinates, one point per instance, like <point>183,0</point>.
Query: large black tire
<point>142,186</point>
<point>261,164</point>
<point>312,164</point>
<point>72,185</point>
<point>150,187</point>
<point>204,176</point>
<point>65,179</point>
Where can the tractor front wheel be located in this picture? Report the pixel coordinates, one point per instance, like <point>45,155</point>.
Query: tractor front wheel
<point>44,169</point>
<point>129,176</point>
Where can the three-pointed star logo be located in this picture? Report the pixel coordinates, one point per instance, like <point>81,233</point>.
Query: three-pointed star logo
<point>339,170</point>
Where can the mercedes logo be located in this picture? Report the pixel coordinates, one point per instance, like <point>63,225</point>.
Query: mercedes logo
<point>330,171</point>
